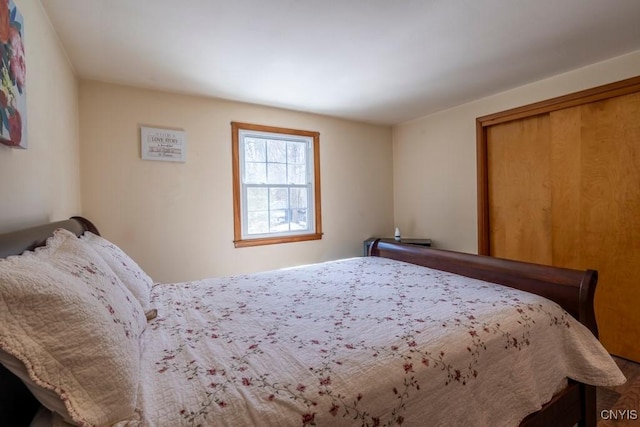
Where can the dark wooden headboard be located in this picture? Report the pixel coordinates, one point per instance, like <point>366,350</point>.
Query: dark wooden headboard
<point>17,404</point>
<point>19,241</point>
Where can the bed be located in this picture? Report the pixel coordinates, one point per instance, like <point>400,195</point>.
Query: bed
<point>407,336</point>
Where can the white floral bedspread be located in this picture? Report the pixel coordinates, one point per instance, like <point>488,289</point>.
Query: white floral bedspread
<point>358,342</point>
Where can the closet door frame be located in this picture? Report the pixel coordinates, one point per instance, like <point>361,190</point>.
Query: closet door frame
<point>599,93</point>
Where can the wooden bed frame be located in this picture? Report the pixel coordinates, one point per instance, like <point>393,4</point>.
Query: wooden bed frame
<point>573,290</point>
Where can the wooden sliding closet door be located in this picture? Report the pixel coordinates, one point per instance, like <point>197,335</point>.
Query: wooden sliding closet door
<point>563,188</point>
<point>596,210</point>
<point>520,193</point>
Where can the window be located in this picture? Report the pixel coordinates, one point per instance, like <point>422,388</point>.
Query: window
<point>276,185</point>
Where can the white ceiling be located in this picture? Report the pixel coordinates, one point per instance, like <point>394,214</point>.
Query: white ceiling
<point>379,61</point>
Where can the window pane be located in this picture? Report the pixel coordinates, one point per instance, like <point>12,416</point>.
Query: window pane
<point>258,222</point>
<point>298,198</point>
<point>297,174</point>
<point>297,152</point>
<point>299,219</point>
<point>278,198</point>
<point>257,199</point>
<point>255,173</point>
<point>279,221</point>
<point>298,202</point>
<point>254,150</point>
<point>276,151</point>
<point>276,173</point>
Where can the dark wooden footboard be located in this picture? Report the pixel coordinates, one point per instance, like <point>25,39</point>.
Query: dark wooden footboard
<point>573,290</point>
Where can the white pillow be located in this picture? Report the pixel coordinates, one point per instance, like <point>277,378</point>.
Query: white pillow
<point>75,327</point>
<point>134,278</point>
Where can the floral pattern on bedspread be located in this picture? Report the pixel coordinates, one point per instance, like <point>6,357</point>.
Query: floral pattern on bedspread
<point>363,342</point>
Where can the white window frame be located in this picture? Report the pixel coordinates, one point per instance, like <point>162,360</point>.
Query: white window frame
<point>242,236</point>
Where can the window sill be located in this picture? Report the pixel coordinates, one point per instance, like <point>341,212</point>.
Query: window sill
<point>276,240</point>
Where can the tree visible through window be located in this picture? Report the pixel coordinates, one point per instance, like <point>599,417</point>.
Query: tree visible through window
<point>276,185</point>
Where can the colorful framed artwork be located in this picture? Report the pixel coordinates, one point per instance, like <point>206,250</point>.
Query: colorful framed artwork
<point>13,71</point>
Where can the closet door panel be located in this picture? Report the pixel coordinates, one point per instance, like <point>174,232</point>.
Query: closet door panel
<point>610,217</point>
<point>519,190</point>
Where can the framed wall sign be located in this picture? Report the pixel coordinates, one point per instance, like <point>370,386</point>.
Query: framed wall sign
<point>163,144</point>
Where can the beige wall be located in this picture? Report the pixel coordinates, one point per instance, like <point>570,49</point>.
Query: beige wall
<point>176,219</point>
<point>41,183</point>
<point>435,157</point>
